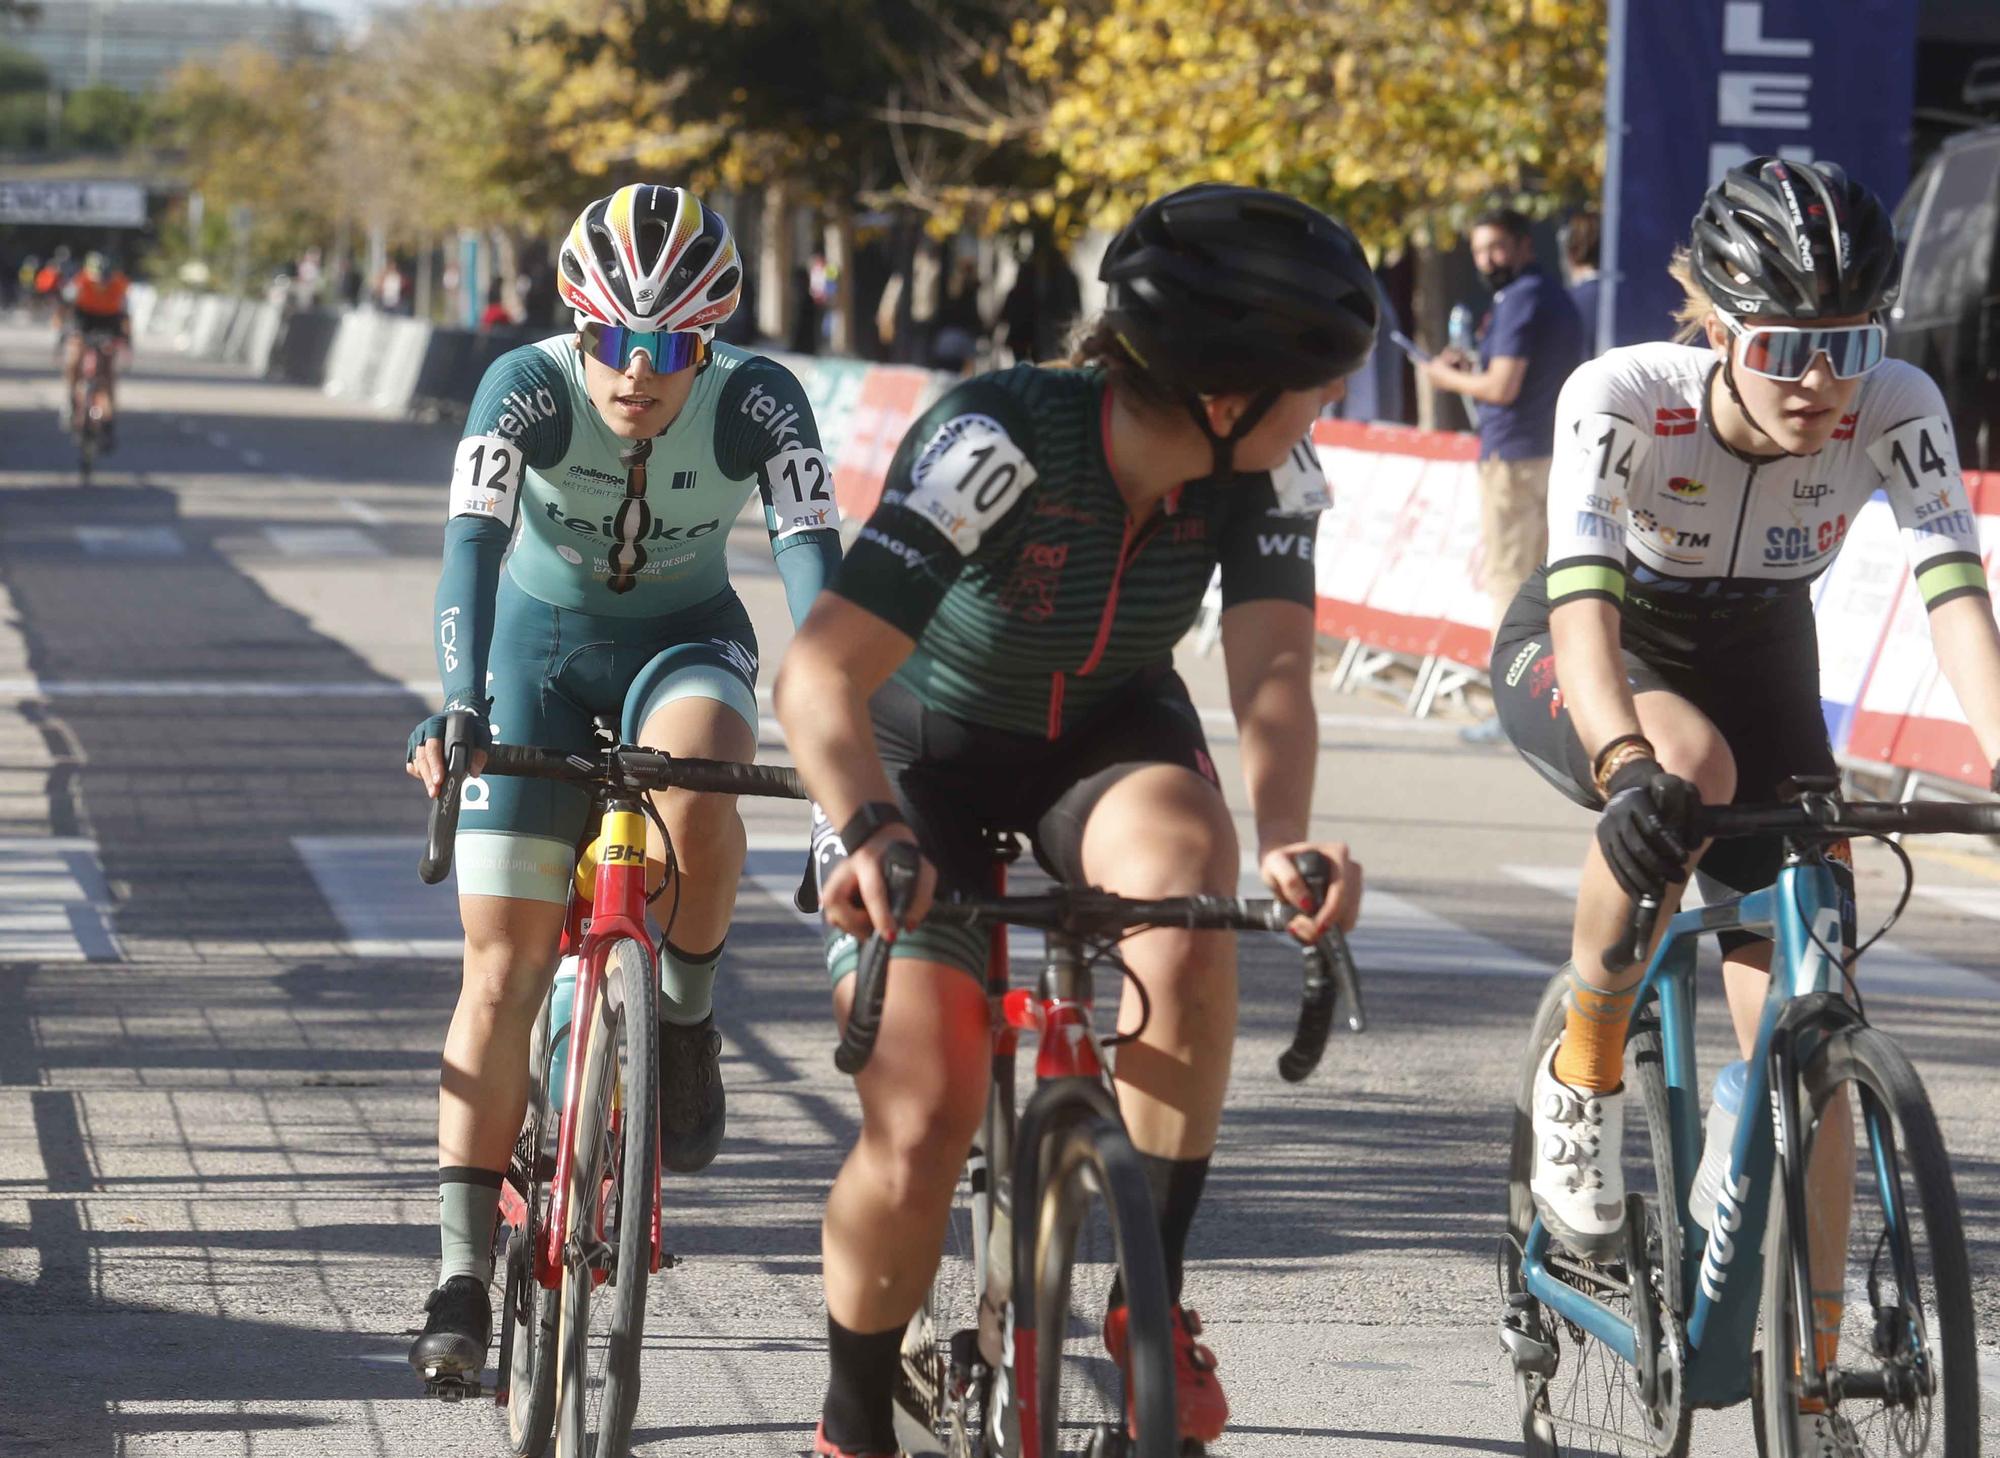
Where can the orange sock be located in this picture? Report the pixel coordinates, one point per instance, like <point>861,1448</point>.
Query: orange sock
<point>1592,1055</point>
<point>1827,1312</point>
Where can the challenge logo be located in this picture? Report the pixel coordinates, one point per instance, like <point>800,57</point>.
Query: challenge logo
<point>1687,488</point>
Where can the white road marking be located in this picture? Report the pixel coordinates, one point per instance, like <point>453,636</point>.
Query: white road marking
<point>212,688</point>
<point>217,439</point>
<point>252,458</point>
<point>1888,966</point>
<point>54,903</point>
<point>370,882</point>
<point>124,541</point>
<point>1397,934</point>
<point>310,541</point>
<point>362,512</point>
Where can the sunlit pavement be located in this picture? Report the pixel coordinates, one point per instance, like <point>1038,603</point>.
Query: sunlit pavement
<point>223,994</point>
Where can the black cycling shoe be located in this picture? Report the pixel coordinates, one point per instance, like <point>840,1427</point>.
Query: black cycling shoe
<point>451,1353</point>
<point>692,1111</point>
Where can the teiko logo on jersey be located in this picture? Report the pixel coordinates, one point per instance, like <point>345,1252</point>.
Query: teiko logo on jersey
<point>763,408</point>
<point>522,412</point>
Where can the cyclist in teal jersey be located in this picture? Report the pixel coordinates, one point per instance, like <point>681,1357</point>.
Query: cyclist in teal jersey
<point>997,655</point>
<point>615,460</point>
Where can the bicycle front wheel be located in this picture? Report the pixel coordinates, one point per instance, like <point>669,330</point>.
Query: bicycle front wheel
<point>1907,1357</point>
<point>1094,1219</point>
<point>528,1307</point>
<point>607,1245</point>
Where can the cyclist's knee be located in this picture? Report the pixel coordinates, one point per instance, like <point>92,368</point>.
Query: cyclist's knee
<point>917,1140</point>
<point>1171,835</point>
<point>1699,755</point>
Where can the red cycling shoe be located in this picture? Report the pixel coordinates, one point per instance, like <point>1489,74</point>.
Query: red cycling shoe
<point>1203,1409</point>
<point>824,1447</point>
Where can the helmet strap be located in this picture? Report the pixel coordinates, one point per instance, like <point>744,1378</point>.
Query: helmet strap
<point>1224,446</point>
<point>1729,384</point>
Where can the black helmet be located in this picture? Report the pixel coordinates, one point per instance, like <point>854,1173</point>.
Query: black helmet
<point>1236,290</point>
<point>1794,240</point>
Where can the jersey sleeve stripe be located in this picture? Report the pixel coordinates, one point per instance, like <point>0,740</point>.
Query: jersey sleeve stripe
<point>1954,575</point>
<point>1582,577</point>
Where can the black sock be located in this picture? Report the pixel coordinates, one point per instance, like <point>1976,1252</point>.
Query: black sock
<point>861,1386</point>
<point>1175,1185</point>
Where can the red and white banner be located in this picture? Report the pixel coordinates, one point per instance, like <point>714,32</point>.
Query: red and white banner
<point>1398,558</point>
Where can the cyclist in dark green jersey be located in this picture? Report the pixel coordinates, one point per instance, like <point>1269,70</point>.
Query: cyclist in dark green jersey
<point>996,653</point>
<point>614,460</point>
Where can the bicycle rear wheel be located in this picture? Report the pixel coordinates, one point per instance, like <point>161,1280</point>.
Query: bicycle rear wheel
<point>1908,1354</point>
<point>1094,1219</point>
<point>613,1172</point>
<point>528,1307</point>
<point>1585,1398</point>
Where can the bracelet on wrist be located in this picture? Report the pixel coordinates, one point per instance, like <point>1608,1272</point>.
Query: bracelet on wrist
<point>1633,750</point>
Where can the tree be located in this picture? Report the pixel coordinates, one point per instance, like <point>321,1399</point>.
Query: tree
<point>1402,117</point>
<point>102,118</point>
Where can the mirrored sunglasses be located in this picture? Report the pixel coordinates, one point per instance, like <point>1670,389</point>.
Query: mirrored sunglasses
<point>610,344</point>
<point>1778,352</point>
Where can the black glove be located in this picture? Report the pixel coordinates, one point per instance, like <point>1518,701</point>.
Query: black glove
<point>478,734</point>
<point>1647,829</point>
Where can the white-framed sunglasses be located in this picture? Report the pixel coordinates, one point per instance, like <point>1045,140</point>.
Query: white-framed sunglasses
<point>1784,352</point>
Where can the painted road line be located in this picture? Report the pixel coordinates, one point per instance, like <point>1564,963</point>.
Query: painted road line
<point>1398,934</point>
<point>124,541</point>
<point>313,541</point>
<point>251,458</point>
<point>1889,967</point>
<point>211,688</point>
<point>362,512</point>
<point>217,439</point>
<point>54,903</point>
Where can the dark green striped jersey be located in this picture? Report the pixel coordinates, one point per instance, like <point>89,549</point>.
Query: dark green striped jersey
<point>1002,546</point>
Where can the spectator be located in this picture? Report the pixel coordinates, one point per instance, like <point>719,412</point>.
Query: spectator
<point>496,315</point>
<point>804,338</point>
<point>955,345</point>
<point>1528,343</point>
<point>1041,308</point>
<point>1579,240</point>
<point>350,285</point>
<point>538,296</point>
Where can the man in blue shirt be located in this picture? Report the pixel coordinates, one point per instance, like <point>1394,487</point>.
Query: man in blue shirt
<point>1528,343</point>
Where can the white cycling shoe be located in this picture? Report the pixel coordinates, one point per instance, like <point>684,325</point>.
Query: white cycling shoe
<point>1578,1182</point>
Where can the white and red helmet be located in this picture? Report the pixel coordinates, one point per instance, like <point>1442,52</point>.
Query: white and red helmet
<point>651,258</point>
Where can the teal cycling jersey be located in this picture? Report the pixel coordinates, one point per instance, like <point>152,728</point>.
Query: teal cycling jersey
<point>598,531</point>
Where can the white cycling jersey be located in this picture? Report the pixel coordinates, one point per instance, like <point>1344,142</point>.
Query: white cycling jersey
<point>1648,507</point>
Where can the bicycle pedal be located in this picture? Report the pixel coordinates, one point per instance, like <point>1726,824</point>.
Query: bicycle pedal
<point>1528,1352</point>
<point>451,1386</point>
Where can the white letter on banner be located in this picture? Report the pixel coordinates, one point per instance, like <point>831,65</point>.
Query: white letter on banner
<point>1743,34</point>
<point>1762,99</point>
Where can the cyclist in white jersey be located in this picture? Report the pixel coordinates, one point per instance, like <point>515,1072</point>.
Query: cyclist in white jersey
<point>1667,653</point>
<point>622,453</point>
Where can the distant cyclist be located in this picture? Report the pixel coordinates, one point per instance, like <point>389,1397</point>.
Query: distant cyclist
<point>997,654</point>
<point>615,458</point>
<point>94,315</point>
<point>1667,654</point>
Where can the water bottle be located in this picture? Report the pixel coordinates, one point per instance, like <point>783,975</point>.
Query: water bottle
<point>1458,329</point>
<point>562,997</point>
<point>1722,1116</point>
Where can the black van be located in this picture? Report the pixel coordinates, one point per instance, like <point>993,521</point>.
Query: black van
<point>1947,319</point>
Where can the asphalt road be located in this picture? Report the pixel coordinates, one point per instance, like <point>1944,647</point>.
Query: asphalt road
<point>223,992</point>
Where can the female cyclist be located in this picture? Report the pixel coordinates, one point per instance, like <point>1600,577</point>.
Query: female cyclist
<point>1667,654</point>
<point>997,653</point>
<point>622,453</point>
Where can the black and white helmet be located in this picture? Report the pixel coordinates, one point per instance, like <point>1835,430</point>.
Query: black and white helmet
<point>1794,240</point>
<point>1222,289</point>
<point>650,258</point>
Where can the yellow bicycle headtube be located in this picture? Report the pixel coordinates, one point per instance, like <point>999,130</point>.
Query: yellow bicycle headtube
<point>623,839</point>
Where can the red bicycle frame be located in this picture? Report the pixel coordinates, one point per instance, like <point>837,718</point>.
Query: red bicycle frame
<point>614,911</point>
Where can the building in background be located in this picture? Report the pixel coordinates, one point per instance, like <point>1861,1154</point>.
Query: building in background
<point>134,45</point>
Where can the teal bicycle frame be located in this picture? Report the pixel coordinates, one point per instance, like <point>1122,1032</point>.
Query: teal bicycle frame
<point>1804,913</point>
